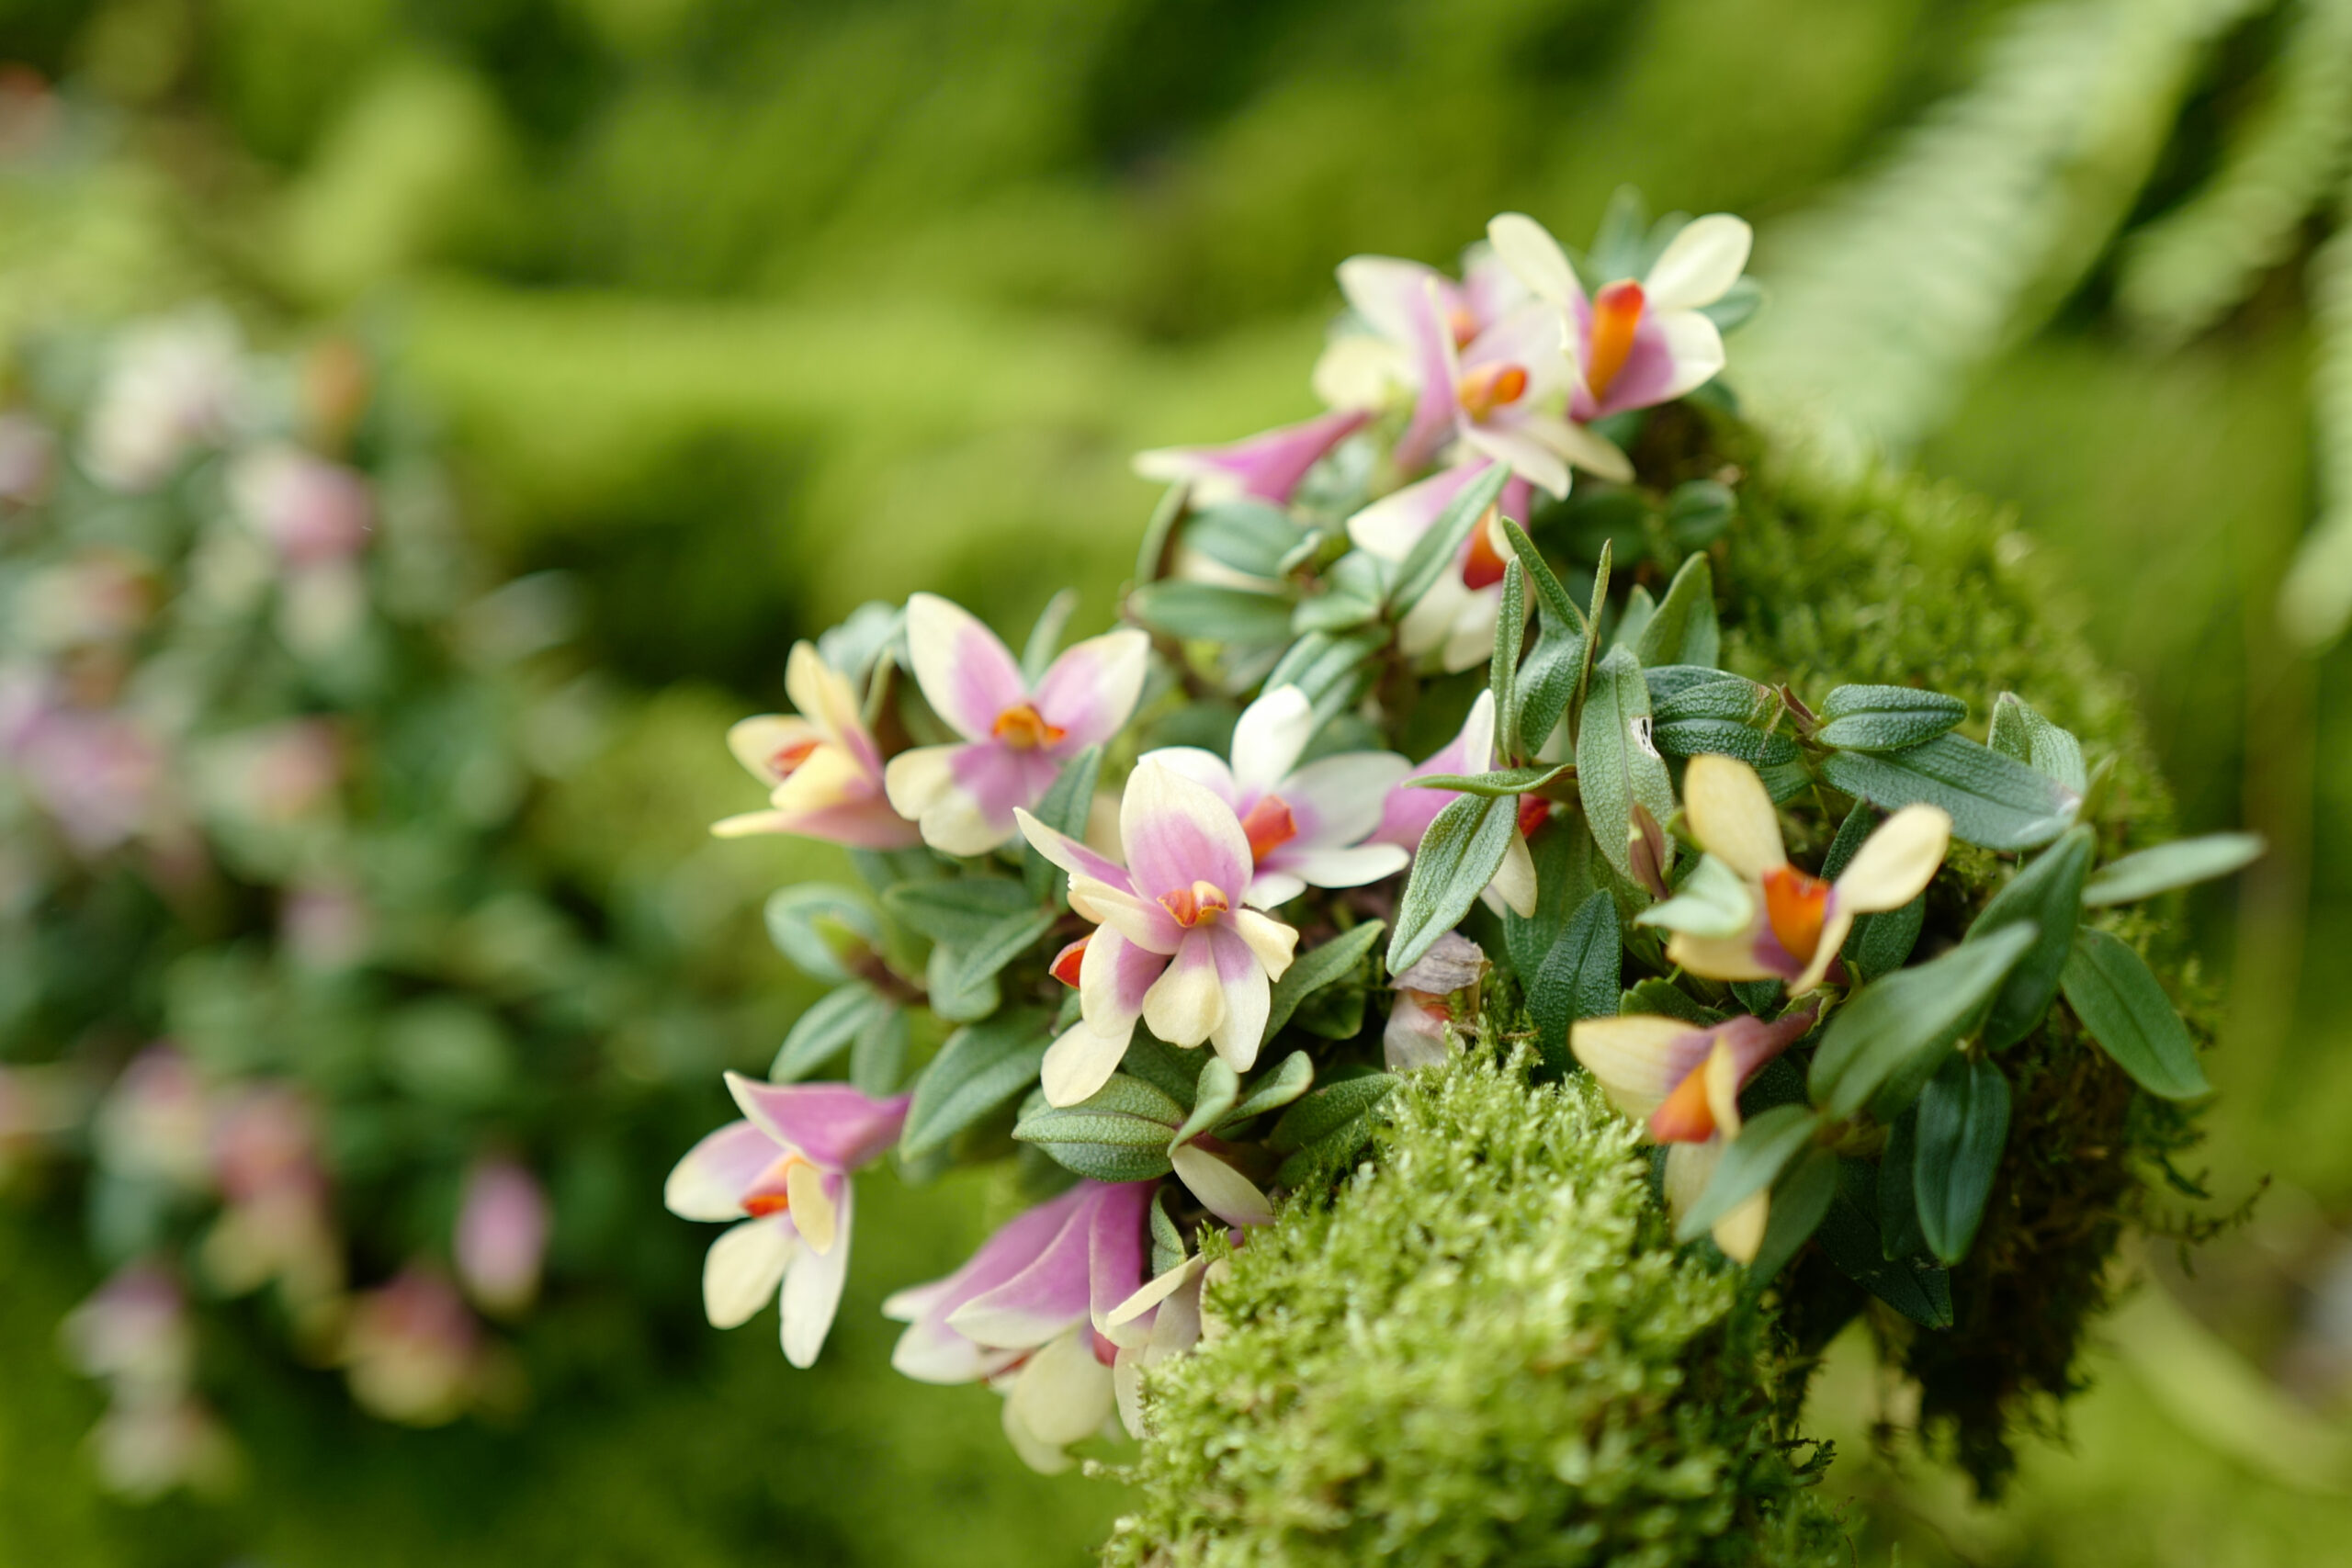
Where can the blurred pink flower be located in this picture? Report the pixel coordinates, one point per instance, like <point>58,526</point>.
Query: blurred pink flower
<point>134,1332</point>
<point>156,1121</point>
<point>821,765</point>
<point>100,776</point>
<point>412,1350</point>
<point>311,510</point>
<point>502,1237</point>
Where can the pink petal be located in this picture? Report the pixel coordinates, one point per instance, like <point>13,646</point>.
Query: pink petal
<point>1267,741</point>
<point>1390,526</point>
<point>966,673</point>
<point>1071,855</point>
<point>1000,780</point>
<point>711,1181</point>
<point>1248,998</point>
<point>1407,812</point>
<point>1116,1254</point>
<point>833,1125</point>
<point>1268,466</point>
<point>812,1292</point>
<point>1185,1005</point>
<point>1090,691</point>
<point>1178,833</point>
<point>1203,768</point>
<point>1113,980</point>
<point>1044,1298</point>
<point>1336,801</point>
<point>930,1351</point>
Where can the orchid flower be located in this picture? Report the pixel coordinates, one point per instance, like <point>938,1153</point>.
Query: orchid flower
<point>1159,1322</point>
<point>1175,945</point>
<point>1305,826</point>
<point>1762,918</point>
<point>1406,813</point>
<point>783,1173</point>
<point>823,767</point>
<point>1682,1081</point>
<point>1634,342</point>
<point>412,1352</point>
<point>1024,1312</point>
<point>1419,315</point>
<point>1441,987</point>
<point>1016,736</point>
<point>1265,466</point>
<point>1455,618</point>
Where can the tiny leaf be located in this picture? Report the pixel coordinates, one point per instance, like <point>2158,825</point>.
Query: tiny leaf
<point>1886,719</point>
<point>1992,800</point>
<point>2047,897</point>
<point>1578,979</point>
<point>1617,764</point>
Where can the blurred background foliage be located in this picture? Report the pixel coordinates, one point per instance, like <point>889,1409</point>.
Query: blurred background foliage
<point>742,313</point>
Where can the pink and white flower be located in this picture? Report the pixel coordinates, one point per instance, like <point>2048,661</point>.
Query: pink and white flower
<point>1306,826</point>
<point>821,765</point>
<point>1026,1313</point>
<point>502,1234</point>
<point>1265,466</point>
<point>1682,1082</point>
<point>1016,736</point>
<point>313,512</point>
<point>783,1172</point>
<point>1406,813</point>
<point>1773,921</point>
<point>1177,945</point>
<point>1455,618</point>
<point>1420,316</point>
<point>412,1351</point>
<point>1634,342</point>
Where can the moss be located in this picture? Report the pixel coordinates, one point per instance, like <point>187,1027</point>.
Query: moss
<point>1484,1349</point>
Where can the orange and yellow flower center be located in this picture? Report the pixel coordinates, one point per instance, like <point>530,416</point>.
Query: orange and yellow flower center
<point>1198,905</point>
<point>1462,324</point>
<point>1024,729</point>
<point>1796,904</point>
<point>1269,826</point>
<point>769,1191</point>
<point>1069,959</point>
<point>1685,1117</point>
<point>1484,564</point>
<point>1616,315</point>
<point>1488,388</point>
<point>786,760</point>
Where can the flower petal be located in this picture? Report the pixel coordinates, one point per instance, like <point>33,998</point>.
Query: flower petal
<point>1335,801</point>
<point>743,1268</point>
<point>1341,868</point>
<point>1203,767</point>
<point>1062,1396</point>
<point>1835,927</point>
<point>1594,453</point>
<point>1229,1195</point>
<point>825,697</point>
<point>1731,815</point>
<point>1177,833</point>
<point>1895,864</point>
<point>966,673</point>
<point>1142,921</point>
<point>1533,257</point>
<point>1725,957</point>
<point>1268,466</point>
<point>711,1181</point>
<point>755,741</point>
<point>1187,1002</point>
<point>1090,691</point>
<point>1113,979</point>
<point>1082,1061</point>
<point>1153,1291</point>
<point>1638,1058</point>
<point>832,1123</point>
<point>1272,731</point>
<point>1117,1252</point>
<point>1521,453</point>
<point>1052,1292</point>
<point>812,1194</point>
<point>812,1293</point>
<point>929,1350</point>
<point>1070,855</point>
<point>1515,878</point>
<point>1270,889</point>
<point>1241,974</point>
<point>1270,941</point>
<point>1700,265</point>
<point>1390,526</point>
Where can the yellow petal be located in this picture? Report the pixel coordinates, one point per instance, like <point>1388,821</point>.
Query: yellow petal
<point>1897,862</point>
<point>1718,957</point>
<point>1731,813</point>
<point>1630,1057</point>
<point>811,1206</point>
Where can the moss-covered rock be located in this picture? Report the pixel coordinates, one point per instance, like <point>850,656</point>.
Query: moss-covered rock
<point>1486,1348</point>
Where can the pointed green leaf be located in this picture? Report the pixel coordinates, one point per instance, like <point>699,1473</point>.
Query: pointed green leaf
<point>1919,1290</point>
<point>1459,856</point>
<point>831,1023</point>
<point>2047,896</point>
<point>1332,669</point>
<point>1502,670</point>
<point>1311,971</point>
<point>1886,719</point>
<point>877,1057</point>
<point>814,923</point>
<point>960,910</point>
<point>1207,612</point>
<point>1898,1203</point>
<point>1764,1148</point>
<point>1172,1070</point>
<point>981,1067</point>
<point>1699,510</point>
<point>1616,762</point>
<point>1799,1202</point>
<point>1578,978</point>
<point>1274,1090</point>
<point>1434,553</point>
<point>1908,1016</point>
<point>1120,1134</point>
<point>1683,630</point>
<point>1496,781</point>
<point>2019,733</point>
<point>1963,1125</point>
<point>1992,800</point>
<point>1635,619</point>
<point>1213,1095</point>
<point>1322,1131</point>
<point>2125,1009</point>
<point>1251,536</point>
<point>2168,867</point>
<point>1046,637</point>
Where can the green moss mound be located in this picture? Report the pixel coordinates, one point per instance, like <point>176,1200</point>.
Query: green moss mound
<point>1485,1350</point>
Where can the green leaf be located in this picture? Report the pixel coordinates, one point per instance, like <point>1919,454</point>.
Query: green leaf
<point>1323,1131</point>
<point>1502,670</point>
<point>1562,852</point>
<point>1698,511</point>
<point>814,923</point>
<point>1205,611</point>
<point>1898,1203</point>
<point>1963,1124</point>
<point>1684,629</point>
<point>877,1057</point>
<point>1696,736</point>
<point>1168,1247</point>
<point>981,1067</point>
<point>1711,901</point>
<point>1274,1090</point>
<point>1591,663</point>
<point>951,998</point>
<point>1064,809</point>
<point>1548,683</point>
<point>1000,944</point>
<point>1886,719</point>
<point>1152,552</point>
<point>1850,1236</point>
<point>1550,596</point>
<point>1909,1015</point>
<point>1799,1202</point>
<point>1119,1133</point>
<point>1498,780</point>
<point>1763,1149</point>
<point>2177,864</point>
<point>1173,1071</point>
<point>1578,978</point>
<point>2023,734</point>
<point>1616,762</point>
<point>1213,1095</point>
<point>1992,800</point>
<point>1251,536</point>
<point>959,911</point>
<point>1046,637</point>
<point>1459,856</point>
<point>1635,618</point>
<point>830,1023</point>
<point>1311,971</point>
<point>1695,691</point>
<point>1332,670</point>
<point>2047,897</point>
<point>1662,996</point>
<point>2125,1009</point>
<point>1434,553</point>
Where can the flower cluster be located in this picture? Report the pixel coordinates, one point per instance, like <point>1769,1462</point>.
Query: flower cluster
<point>1164,872</point>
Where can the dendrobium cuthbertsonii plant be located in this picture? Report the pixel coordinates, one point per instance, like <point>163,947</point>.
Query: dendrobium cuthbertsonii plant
<point>1455,618</point>
<point>823,766</point>
<point>1408,809</point>
<point>783,1174</point>
<point>1016,736</point>
<point>1176,945</point>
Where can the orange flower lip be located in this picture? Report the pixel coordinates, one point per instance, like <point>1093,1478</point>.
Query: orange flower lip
<point>1616,315</point>
<point>1484,564</point>
<point>1068,962</point>
<point>1797,906</point>
<point>770,1191</point>
<point>1024,729</point>
<point>1198,905</point>
<point>1685,1117</point>
<point>787,759</point>
<point>1269,826</point>
<point>1490,387</point>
